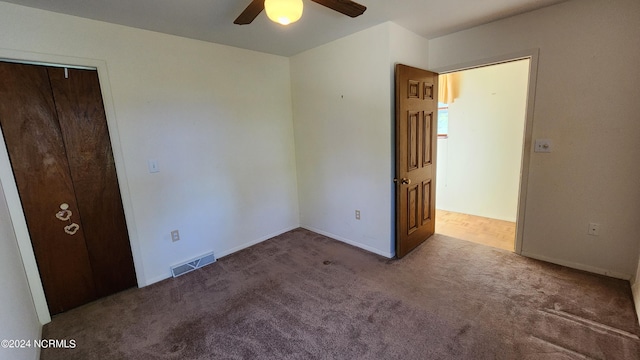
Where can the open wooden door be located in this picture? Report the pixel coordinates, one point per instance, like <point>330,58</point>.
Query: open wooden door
<point>416,139</point>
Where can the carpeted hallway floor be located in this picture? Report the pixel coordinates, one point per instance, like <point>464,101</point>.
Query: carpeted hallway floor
<point>304,296</point>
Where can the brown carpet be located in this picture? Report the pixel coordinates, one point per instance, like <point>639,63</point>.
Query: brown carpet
<point>304,296</point>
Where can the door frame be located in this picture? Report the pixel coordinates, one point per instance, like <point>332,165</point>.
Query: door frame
<point>10,189</point>
<point>532,55</point>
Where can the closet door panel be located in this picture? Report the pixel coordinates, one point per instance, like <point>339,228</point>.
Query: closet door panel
<point>80,109</point>
<point>39,161</point>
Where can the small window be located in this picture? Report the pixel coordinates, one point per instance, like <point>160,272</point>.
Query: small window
<point>443,120</point>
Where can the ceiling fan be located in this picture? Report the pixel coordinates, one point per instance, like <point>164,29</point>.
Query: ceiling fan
<point>347,7</point>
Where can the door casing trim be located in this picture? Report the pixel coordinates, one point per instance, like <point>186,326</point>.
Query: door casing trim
<point>533,56</point>
<point>10,189</point>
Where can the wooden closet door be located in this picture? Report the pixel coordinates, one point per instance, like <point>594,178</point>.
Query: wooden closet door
<point>39,161</point>
<point>55,129</point>
<point>78,100</point>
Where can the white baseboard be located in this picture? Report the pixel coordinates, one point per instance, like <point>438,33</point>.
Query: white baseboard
<point>579,266</point>
<point>219,254</point>
<point>351,242</point>
<point>223,253</point>
<point>157,279</point>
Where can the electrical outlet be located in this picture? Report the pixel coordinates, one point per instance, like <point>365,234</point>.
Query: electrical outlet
<point>542,146</point>
<point>594,229</point>
<point>175,235</point>
<point>357,214</point>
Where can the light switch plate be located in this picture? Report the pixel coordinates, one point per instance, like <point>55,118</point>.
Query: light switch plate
<point>543,146</point>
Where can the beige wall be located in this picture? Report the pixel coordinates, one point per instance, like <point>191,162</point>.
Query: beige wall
<point>586,103</point>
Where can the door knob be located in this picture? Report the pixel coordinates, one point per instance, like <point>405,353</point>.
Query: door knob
<point>404,181</point>
<point>64,214</point>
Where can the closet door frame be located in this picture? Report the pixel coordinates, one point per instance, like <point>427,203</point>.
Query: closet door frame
<point>11,192</point>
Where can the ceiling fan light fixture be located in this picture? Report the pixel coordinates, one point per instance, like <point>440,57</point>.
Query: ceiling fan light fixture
<point>283,12</point>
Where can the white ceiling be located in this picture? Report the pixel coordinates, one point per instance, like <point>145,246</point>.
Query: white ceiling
<point>212,20</point>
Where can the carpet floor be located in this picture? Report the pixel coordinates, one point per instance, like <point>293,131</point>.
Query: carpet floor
<point>302,295</point>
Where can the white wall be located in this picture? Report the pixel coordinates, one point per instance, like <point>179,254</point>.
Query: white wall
<point>217,119</point>
<point>18,317</point>
<point>405,48</point>
<point>586,103</point>
<point>343,120</point>
<point>479,163</point>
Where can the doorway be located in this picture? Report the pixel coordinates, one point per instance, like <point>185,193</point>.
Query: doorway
<point>481,138</point>
<point>54,126</point>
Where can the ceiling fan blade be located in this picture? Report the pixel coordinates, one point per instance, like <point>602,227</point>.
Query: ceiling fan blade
<point>250,13</point>
<point>346,7</point>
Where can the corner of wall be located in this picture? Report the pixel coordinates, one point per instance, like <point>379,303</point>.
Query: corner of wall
<point>635,289</point>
